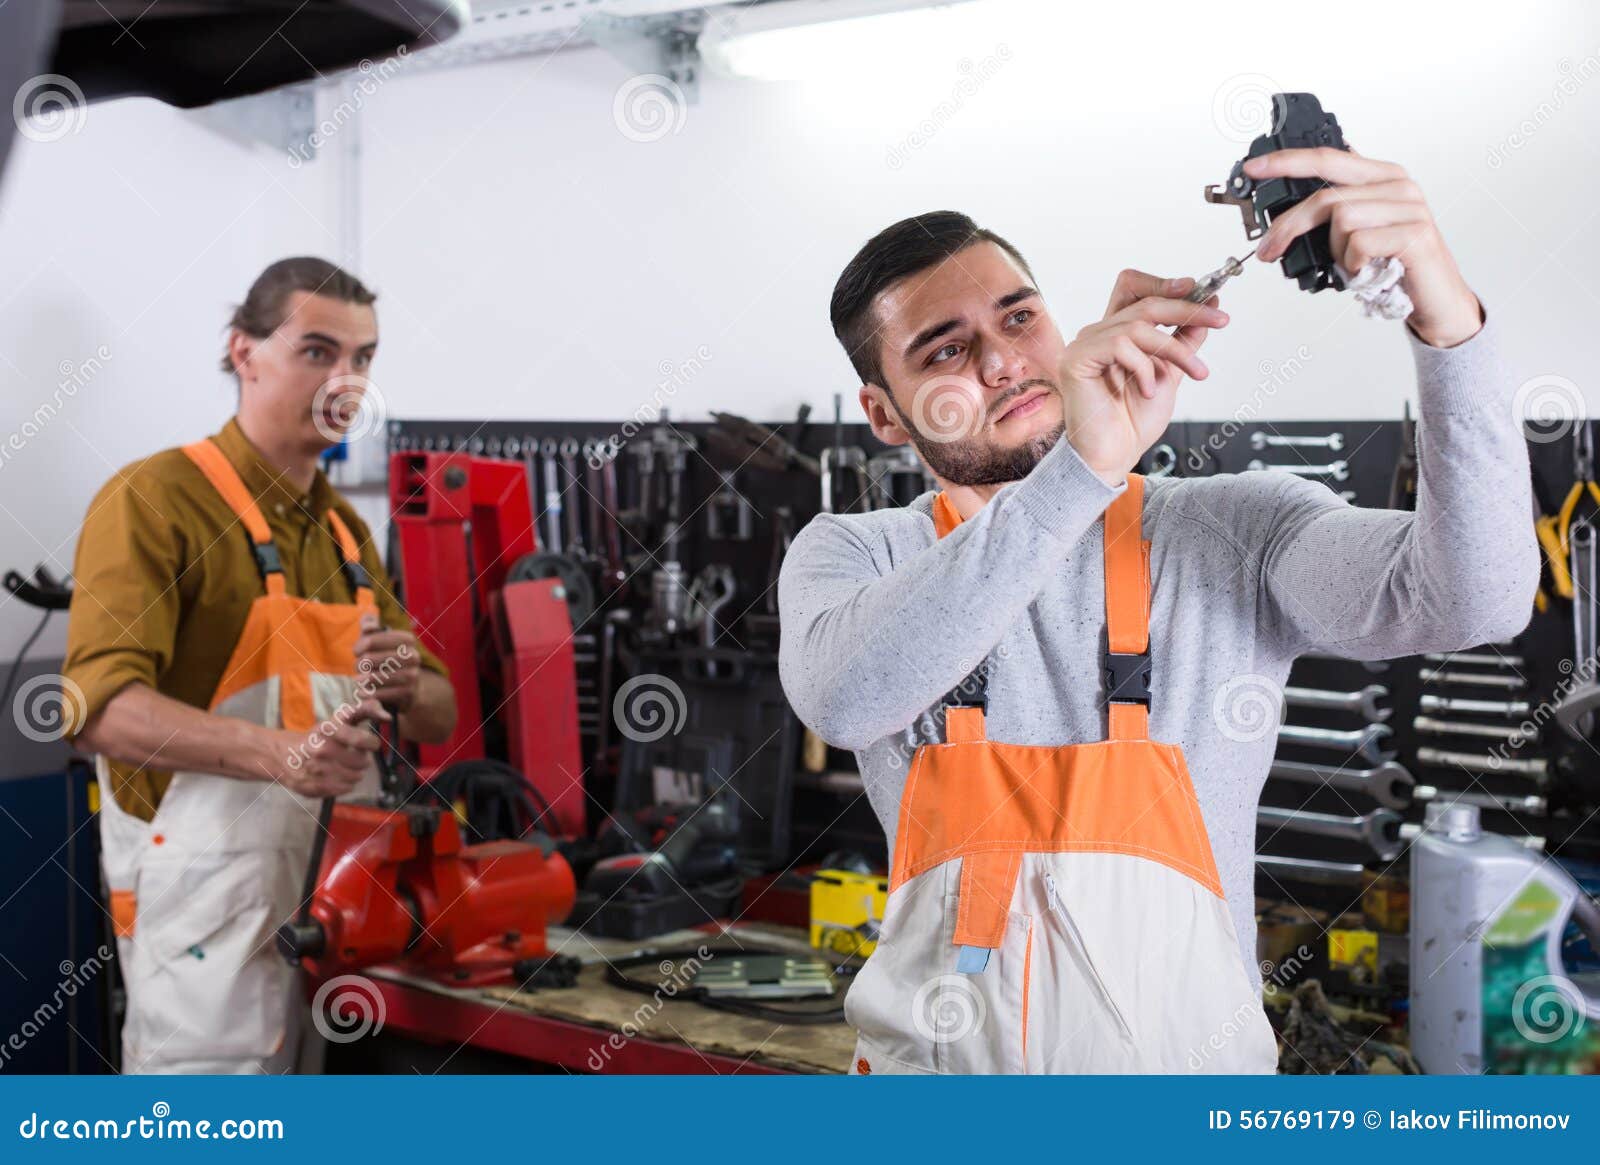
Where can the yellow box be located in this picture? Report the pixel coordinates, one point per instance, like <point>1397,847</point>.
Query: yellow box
<point>847,910</point>
<point>1353,948</point>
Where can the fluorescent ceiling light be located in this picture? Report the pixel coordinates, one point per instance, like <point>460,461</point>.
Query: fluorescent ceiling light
<point>792,39</point>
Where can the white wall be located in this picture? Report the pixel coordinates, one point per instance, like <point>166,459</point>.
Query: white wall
<point>125,245</point>
<point>536,262</point>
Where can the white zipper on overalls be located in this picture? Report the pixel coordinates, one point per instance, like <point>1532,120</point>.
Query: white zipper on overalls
<point>1059,909</point>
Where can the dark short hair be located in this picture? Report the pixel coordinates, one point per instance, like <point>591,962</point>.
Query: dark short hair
<point>264,307</point>
<point>910,245</point>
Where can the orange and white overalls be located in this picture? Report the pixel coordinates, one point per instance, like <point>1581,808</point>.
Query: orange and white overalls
<point>1057,909</point>
<point>199,892</point>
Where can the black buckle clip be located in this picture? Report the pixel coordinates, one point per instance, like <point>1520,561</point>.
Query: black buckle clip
<point>1128,678</point>
<point>267,560</point>
<point>972,692</point>
<point>356,574</point>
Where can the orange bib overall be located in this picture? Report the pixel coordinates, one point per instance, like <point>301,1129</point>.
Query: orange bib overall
<point>198,892</point>
<point>1057,909</point>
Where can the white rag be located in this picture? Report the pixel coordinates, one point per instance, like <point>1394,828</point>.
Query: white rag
<point>1377,286</point>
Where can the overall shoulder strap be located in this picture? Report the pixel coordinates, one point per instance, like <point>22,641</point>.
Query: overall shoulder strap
<point>1127,664</point>
<point>350,552</point>
<point>224,478</point>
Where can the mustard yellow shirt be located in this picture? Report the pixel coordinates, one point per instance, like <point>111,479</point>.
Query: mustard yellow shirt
<point>164,578</point>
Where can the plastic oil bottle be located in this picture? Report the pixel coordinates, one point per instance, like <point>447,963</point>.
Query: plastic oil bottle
<point>1489,989</point>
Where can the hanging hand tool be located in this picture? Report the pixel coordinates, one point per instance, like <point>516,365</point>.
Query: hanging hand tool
<point>571,491</point>
<point>552,494</point>
<point>747,443</point>
<point>1364,742</point>
<point>1434,676</point>
<point>1403,482</point>
<point>839,459</point>
<point>1474,762</point>
<point>1364,701</point>
<point>1378,829</point>
<point>1260,441</point>
<point>1389,784</point>
<point>1475,658</point>
<point>1451,704</point>
<point>1502,802</point>
<point>1429,726</point>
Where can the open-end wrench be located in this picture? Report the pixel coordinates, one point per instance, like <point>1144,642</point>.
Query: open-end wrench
<point>1477,762</point>
<point>1260,441</point>
<point>1377,829</point>
<point>1471,658</point>
<point>1312,870</point>
<point>1450,704</point>
<point>1375,666</point>
<point>571,492</point>
<point>1337,470</point>
<point>552,495</point>
<point>1364,742</point>
<point>1429,726</point>
<point>616,569</point>
<point>1411,830</point>
<point>1389,784</point>
<point>1364,701</point>
<point>1472,679</point>
<point>1504,802</point>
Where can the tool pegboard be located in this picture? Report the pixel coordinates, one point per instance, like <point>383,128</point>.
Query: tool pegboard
<point>1476,724</point>
<point>1362,796</point>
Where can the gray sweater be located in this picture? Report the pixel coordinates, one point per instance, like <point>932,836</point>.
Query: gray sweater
<point>881,619</point>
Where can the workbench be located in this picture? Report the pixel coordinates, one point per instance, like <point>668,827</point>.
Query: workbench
<point>586,1028</point>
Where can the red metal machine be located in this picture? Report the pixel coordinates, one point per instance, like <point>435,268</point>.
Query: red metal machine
<point>398,887</point>
<point>463,523</point>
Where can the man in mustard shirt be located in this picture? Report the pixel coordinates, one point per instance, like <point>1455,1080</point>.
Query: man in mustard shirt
<point>235,639</point>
